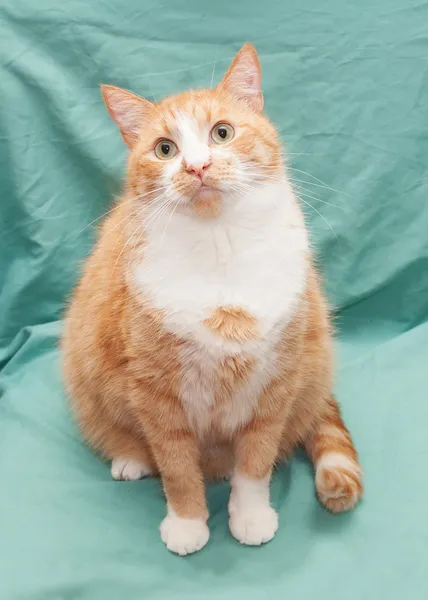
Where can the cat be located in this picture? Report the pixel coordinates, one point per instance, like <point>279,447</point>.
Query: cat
<point>197,344</point>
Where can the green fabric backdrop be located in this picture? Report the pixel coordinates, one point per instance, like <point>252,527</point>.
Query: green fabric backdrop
<point>347,84</point>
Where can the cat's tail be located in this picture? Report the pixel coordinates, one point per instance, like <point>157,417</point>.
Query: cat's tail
<point>338,475</point>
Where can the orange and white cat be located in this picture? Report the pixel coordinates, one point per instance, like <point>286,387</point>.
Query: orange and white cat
<point>197,344</point>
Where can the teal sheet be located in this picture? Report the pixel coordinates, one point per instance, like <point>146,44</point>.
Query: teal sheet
<point>347,84</point>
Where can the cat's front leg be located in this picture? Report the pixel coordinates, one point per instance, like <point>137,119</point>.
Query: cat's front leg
<point>184,530</point>
<point>176,452</point>
<point>252,520</point>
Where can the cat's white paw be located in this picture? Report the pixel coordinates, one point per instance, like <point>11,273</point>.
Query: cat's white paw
<point>184,536</point>
<point>253,526</point>
<point>127,469</point>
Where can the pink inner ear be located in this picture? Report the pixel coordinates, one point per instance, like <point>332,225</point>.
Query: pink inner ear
<point>125,113</point>
<point>250,80</point>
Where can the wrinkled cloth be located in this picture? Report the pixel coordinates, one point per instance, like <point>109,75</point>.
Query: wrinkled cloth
<point>347,85</point>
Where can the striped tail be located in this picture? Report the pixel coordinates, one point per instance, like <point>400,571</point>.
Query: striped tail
<point>338,475</point>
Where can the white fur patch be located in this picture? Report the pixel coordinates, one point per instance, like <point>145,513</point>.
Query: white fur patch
<point>127,469</point>
<point>253,256</point>
<point>252,520</point>
<point>239,412</point>
<point>192,141</point>
<point>261,266</point>
<point>183,536</point>
<point>197,396</point>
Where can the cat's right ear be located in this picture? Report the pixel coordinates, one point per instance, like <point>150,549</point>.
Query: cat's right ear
<point>244,77</point>
<point>127,110</point>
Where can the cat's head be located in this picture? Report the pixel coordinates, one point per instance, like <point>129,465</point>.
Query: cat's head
<point>199,149</point>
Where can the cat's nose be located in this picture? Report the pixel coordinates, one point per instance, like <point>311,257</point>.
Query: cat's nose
<point>198,169</point>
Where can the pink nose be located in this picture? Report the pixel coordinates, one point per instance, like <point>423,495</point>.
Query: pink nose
<point>198,170</point>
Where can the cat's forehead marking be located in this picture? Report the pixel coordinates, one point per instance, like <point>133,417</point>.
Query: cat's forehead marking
<point>187,126</point>
<point>193,139</point>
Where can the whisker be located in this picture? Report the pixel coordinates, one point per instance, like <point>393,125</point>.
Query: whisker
<point>182,70</point>
<point>302,191</point>
<point>327,187</point>
<point>121,252</point>
<point>128,216</point>
<point>167,223</point>
<point>158,207</point>
<point>241,187</point>
<point>316,179</point>
<point>125,245</point>
<point>300,154</point>
<point>214,65</point>
<point>151,89</point>
<point>162,209</point>
<point>238,190</point>
<point>322,216</point>
<point>118,205</point>
<point>260,177</point>
<point>75,234</point>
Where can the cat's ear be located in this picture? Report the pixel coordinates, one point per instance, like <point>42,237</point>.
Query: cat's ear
<point>127,110</point>
<point>244,77</point>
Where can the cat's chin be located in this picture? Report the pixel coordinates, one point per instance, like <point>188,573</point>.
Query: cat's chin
<point>207,203</point>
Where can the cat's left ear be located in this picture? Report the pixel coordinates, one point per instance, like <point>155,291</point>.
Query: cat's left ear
<point>244,77</point>
<point>128,111</point>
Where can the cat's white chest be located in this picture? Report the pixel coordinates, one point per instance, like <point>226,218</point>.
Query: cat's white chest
<point>254,256</point>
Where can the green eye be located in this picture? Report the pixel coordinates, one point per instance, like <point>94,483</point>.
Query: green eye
<point>222,133</point>
<point>165,149</point>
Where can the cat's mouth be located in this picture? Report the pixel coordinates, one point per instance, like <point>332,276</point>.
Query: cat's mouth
<point>204,191</point>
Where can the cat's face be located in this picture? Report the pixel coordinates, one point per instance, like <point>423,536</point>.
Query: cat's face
<point>201,148</point>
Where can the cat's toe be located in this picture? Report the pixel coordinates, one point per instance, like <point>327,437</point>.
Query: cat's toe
<point>184,536</point>
<point>254,526</point>
<point>127,469</point>
<point>338,481</point>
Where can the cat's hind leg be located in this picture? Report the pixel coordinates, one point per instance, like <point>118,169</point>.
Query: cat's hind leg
<point>338,475</point>
<point>129,469</point>
<point>130,456</point>
<point>128,451</point>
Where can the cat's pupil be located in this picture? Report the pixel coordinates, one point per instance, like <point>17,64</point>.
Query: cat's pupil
<point>165,149</point>
<point>222,131</point>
